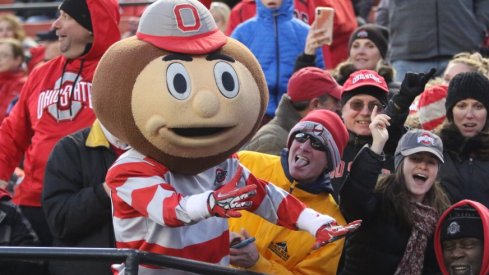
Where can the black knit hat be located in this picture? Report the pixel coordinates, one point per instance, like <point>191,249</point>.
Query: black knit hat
<point>467,85</point>
<point>378,34</point>
<point>462,222</point>
<point>78,10</point>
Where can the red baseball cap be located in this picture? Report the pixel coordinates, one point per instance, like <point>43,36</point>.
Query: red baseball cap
<point>365,78</point>
<point>183,26</point>
<point>310,82</point>
<point>362,82</point>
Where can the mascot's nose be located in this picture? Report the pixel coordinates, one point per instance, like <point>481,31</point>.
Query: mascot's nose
<point>206,104</point>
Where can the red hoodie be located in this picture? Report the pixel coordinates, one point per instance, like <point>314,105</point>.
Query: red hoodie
<point>484,214</point>
<point>10,85</point>
<point>48,110</point>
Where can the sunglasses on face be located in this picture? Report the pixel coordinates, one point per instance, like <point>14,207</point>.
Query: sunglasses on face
<point>315,142</point>
<point>358,105</point>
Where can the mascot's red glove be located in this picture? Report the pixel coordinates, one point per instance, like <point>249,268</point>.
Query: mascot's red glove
<point>225,201</point>
<point>331,232</point>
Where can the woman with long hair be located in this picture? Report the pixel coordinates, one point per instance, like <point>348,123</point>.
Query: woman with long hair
<point>400,210</point>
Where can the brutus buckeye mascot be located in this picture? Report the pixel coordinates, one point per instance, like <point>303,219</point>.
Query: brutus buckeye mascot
<point>186,98</point>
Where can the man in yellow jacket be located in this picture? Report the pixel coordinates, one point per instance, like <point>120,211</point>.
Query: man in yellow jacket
<point>314,148</point>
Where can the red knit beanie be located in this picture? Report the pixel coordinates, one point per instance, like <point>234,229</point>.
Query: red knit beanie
<point>328,127</point>
<point>431,107</point>
<point>311,82</point>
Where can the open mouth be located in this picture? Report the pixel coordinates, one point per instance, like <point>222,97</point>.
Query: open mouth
<point>420,177</point>
<point>461,269</point>
<point>301,161</point>
<point>199,132</point>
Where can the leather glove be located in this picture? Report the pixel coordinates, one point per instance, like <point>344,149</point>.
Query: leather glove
<point>225,201</point>
<point>412,86</point>
<point>331,232</point>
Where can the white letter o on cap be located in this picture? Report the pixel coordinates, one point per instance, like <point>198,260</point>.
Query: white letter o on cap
<point>180,12</point>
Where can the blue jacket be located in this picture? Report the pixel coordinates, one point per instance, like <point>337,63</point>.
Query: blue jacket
<point>276,38</point>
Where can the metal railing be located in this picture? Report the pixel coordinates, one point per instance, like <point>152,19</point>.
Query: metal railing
<point>131,258</point>
<point>55,5</point>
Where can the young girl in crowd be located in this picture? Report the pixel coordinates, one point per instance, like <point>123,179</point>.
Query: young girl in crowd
<point>399,211</point>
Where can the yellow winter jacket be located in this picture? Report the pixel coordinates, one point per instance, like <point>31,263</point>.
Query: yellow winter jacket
<point>284,251</point>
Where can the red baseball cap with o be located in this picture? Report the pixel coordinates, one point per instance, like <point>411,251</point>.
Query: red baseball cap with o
<point>365,82</point>
<point>311,82</point>
<point>183,26</point>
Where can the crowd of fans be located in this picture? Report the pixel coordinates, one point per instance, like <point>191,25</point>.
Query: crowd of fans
<point>406,89</point>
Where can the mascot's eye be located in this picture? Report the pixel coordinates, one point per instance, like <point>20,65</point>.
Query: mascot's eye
<point>178,81</point>
<point>226,79</point>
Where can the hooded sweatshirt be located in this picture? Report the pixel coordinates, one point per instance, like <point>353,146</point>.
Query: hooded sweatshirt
<point>55,102</point>
<point>484,214</point>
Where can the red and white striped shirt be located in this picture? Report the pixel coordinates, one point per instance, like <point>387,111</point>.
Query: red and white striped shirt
<point>159,211</point>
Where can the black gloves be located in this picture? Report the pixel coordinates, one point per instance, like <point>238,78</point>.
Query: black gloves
<point>412,85</point>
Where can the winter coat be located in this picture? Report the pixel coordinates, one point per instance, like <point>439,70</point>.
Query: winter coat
<point>245,9</point>
<point>465,172</point>
<point>283,251</point>
<point>276,39</point>
<point>378,246</point>
<point>49,108</point>
<point>15,230</point>
<point>77,208</point>
<point>272,137</point>
<point>436,28</point>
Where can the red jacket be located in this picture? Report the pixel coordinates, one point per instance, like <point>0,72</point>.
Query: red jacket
<point>345,23</point>
<point>10,85</point>
<point>50,107</point>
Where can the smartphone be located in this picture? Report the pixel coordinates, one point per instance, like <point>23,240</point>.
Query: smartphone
<point>324,21</point>
<point>243,243</point>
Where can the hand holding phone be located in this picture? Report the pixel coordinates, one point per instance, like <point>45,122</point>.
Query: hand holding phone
<point>243,243</point>
<point>324,22</point>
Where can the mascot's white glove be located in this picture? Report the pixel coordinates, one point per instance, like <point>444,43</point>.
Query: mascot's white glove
<point>331,232</point>
<point>225,201</point>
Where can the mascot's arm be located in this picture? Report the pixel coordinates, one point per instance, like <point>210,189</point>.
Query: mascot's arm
<point>278,206</point>
<point>139,189</point>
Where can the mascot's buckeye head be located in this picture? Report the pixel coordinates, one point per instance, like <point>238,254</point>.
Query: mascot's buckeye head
<point>180,92</point>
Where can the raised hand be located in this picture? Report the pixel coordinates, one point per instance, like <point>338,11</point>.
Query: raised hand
<point>331,232</point>
<point>412,86</point>
<point>315,39</point>
<point>225,201</point>
<point>378,129</point>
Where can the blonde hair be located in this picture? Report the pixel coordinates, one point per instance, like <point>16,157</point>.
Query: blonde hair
<point>474,60</point>
<point>16,25</point>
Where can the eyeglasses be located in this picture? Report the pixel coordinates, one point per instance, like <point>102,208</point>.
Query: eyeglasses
<point>315,142</point>
<point>358,105</point>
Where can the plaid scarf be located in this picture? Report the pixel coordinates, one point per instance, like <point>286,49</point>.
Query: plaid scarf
<point>425,219</point>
